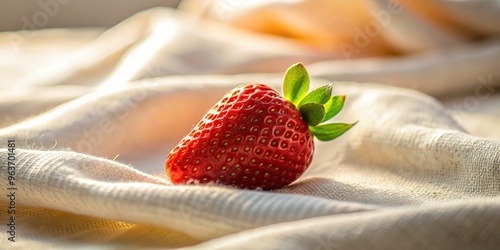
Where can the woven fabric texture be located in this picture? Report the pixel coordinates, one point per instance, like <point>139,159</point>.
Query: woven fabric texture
<point>94,113</point>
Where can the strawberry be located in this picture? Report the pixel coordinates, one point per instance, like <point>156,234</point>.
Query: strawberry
<point>254,138</point>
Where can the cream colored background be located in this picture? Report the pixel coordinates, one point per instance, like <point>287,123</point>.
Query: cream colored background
<point>95,111</point>
<point>76,13</point>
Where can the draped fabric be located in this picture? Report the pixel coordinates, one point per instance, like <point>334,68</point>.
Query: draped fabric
<point>88,117</point>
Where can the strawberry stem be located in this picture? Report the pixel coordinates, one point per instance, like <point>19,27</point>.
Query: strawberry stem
<point>315,107</point>
<point>320,95</point>
<point>296,83</point>
<point>312,113</point>
<point>328,132</point>
<point>333,106</point>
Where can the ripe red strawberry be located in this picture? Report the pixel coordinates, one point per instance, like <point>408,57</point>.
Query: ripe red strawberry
<point>254,138</point>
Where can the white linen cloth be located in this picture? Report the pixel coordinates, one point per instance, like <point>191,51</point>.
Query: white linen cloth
<point>94,114</point>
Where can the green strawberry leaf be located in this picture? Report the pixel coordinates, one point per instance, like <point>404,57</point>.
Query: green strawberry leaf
<point>296,83</point>
<point>312,113</point>
<point>333,106</point>
<point>320,95</point>
<point>328,132</point>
